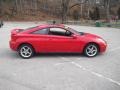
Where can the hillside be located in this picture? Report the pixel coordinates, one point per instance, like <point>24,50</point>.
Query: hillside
<point>22,17</point>
<point>32,10</point>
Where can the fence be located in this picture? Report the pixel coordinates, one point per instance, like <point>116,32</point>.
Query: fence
<point>115,24</point>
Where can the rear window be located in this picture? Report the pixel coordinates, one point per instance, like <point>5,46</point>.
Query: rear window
<point>41,31</point>
<point>21,30</point>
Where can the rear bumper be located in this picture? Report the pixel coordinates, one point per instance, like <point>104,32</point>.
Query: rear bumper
<point>12,45</point>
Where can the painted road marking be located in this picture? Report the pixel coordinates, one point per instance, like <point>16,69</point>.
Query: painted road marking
<point>114,49</point>
<point>57,64</point>
<point>92,72</point>
<point>96,74</point>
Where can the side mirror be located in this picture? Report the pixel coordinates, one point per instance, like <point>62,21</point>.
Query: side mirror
<point>74,36</point>
<point>68,33</point>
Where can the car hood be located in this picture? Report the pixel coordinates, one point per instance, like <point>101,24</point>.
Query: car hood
<point>89,35</point>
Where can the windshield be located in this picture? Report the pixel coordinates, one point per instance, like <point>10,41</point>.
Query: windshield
<point>72,30</point>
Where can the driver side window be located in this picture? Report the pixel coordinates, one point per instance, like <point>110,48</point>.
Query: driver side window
<point>59,32</point>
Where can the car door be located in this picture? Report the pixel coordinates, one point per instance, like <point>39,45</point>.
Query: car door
<point>40,40</point>
<point>60,42</point>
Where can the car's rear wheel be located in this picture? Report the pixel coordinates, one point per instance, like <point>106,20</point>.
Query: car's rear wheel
<point>91,50</point>
<point>26,51</point>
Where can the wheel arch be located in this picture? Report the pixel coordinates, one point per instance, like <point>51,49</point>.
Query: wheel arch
<point>25,43</point>
<point>98,46</point>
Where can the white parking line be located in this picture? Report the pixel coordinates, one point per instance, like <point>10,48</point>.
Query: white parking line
<point>92,72</point>
<point>57,64</point>
<point>64,58</point>
<point>96,74</point>
<point>114,49</point>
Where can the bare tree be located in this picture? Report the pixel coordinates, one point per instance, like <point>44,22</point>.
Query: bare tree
<point>118,12</point>
<point>65,8</point>
<point>107,8</point>
<point>1,2</point>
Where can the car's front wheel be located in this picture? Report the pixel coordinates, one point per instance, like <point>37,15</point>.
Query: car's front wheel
<point>26,51</point>
<point>91,50</point>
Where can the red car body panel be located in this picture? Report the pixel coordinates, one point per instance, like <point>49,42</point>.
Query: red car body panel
<point>54,43</point>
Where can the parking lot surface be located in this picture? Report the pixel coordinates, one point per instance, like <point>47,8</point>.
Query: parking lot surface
<point>60,71</point>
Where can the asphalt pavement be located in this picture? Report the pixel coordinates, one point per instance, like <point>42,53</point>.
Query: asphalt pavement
<point>60,71</point>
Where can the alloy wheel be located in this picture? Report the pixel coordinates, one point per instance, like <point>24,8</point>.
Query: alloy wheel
<point>26,51</point>
<point>91,50</point>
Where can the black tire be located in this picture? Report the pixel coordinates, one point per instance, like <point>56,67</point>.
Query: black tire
<point>88,52</point>
<point>26,51</point>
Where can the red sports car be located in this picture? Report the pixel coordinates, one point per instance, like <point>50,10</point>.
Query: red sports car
<point>55,39</point>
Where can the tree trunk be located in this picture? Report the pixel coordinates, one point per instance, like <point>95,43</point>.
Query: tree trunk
<point>1,8</point>
<point>65,7</point>
<point>107,7</point>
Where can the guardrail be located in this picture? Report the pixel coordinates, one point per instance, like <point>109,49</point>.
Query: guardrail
<point>70,22</point>
<point>101,23</point>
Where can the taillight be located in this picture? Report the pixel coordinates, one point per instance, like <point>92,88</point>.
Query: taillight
<point>13,37</point>
<point>15,31</point>
<point>13,34</point>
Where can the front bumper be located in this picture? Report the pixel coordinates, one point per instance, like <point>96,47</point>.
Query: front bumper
<point>103,47</point>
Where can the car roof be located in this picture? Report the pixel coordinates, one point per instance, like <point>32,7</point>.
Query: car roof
<point>51,25</point>
<point>44,26</point>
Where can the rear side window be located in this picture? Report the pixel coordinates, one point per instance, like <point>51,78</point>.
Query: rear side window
<point>41,31</point>
<point>31,28</point>
<point>59,32</point>
<point>28,29</point>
